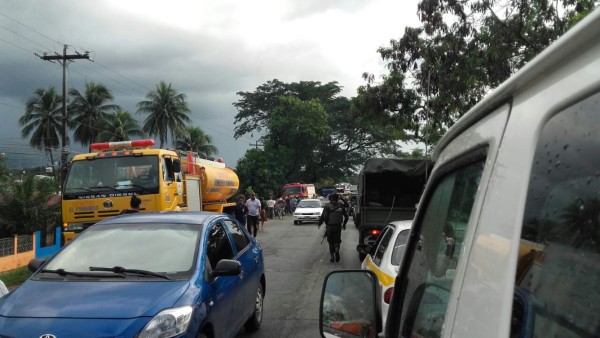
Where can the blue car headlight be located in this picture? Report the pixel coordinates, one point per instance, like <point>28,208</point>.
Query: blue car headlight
<point>168,323</point>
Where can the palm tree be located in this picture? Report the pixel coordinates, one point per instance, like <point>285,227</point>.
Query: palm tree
<point>194,139</point>
<point>89,111</point>
<point>43,119</point>
<point>168,111</point>
<point>120,126</point>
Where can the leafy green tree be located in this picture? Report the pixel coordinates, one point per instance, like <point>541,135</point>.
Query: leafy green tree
<point>43,120</point>
<point>4,175</point>
<point>310,130</point>
<point>195,139</point>
<point>258,172</point>
<point>26,208</point>
<point>120,126</point>
<point>440,69</point>
<point>89,110</point>
<point>167,109</point>
<point>296,128</point>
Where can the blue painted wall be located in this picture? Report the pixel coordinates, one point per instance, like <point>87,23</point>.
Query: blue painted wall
<point>47,251</point>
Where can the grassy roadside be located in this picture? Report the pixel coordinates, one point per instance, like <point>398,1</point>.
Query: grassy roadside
<point>15,277</point>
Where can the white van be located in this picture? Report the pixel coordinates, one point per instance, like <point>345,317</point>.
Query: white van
<point>506,240</point>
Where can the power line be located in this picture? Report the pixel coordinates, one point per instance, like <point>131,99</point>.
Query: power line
<point>10,43</point>
<point>24,37</point>
<point>22,24</point>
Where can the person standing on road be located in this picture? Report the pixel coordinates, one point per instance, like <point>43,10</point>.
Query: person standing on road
<point>293,204</point>
<point>262,217</point>
<point>240,210</point>
<point>335,218</point>
<point>271,207</point>
<point>253,206</point>
<point>287,206</point>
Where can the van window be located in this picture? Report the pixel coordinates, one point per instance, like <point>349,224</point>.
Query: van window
<point>433,260</point>
<point>558,268</point>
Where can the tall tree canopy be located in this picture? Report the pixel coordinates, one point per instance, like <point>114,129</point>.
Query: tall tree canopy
<point>120,126</point>
<point>195,139</point>
<point>462,50</point>
<point>310,132</point>
<point>43,120</point>
<point>167,110</point>
<point>89,110</point>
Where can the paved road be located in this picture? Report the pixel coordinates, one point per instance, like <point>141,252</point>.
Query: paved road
<point>296,264</point>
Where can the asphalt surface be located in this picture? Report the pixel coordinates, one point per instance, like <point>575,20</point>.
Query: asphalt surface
<point>296,264</point>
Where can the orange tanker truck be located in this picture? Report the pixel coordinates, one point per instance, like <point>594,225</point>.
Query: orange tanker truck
<point>100,184</point>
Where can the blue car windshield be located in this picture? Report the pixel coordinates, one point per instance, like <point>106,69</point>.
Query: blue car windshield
<point>163,248</point>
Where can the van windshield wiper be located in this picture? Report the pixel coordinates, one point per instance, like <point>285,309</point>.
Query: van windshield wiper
<point>63,272</point>
<point>122,270</point>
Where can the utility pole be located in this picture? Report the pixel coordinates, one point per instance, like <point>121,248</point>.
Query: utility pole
<point>63,59</point>
<point>256,144</point>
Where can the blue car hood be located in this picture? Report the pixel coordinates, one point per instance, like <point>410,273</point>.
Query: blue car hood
<point>91,299</point>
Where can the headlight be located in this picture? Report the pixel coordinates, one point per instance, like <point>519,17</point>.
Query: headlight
<point>168,323</point>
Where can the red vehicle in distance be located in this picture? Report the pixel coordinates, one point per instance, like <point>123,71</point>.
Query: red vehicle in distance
<point>301,190</point>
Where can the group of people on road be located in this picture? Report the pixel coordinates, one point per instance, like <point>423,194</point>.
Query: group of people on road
<point>251,213</point>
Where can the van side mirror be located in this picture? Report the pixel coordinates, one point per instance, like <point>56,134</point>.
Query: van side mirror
<point>176,166</point>
<point>348,305</point>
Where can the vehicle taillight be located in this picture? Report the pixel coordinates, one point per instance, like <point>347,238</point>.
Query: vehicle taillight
<point>121,145</point>
<point>387,295</point>
<point>375,232</point>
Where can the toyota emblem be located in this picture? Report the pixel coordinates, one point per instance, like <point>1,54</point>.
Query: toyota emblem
<point>48,335</point>
<point>107,205</point>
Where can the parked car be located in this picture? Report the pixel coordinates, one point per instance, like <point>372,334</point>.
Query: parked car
<point>383,259</point>
<point>192,274</point>
<point>308,210</point>
<point>506,238</point>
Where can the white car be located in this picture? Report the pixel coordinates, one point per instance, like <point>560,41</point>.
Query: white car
<point>308,210</point>
<point>383,259</point>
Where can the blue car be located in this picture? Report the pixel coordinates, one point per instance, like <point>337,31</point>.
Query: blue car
<point>179,274</point>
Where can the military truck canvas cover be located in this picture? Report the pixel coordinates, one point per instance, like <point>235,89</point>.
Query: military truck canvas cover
<point>382,180</point>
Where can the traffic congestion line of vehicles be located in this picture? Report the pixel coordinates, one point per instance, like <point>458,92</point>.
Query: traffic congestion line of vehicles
<point>505,240</point>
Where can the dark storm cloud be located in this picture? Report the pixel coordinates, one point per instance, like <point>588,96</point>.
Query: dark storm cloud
<point>229,50</point>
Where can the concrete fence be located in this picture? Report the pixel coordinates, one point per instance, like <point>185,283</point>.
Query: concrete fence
<point>18,251</point>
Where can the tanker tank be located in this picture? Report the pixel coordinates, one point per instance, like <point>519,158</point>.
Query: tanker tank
<point>219,182</point>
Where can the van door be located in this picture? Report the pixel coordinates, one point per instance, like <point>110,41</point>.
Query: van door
<point>435,259</point>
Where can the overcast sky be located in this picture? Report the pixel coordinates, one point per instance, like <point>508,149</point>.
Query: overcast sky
<point>208,50</point>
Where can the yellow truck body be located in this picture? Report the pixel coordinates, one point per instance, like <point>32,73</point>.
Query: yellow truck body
<point>100,184</point>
